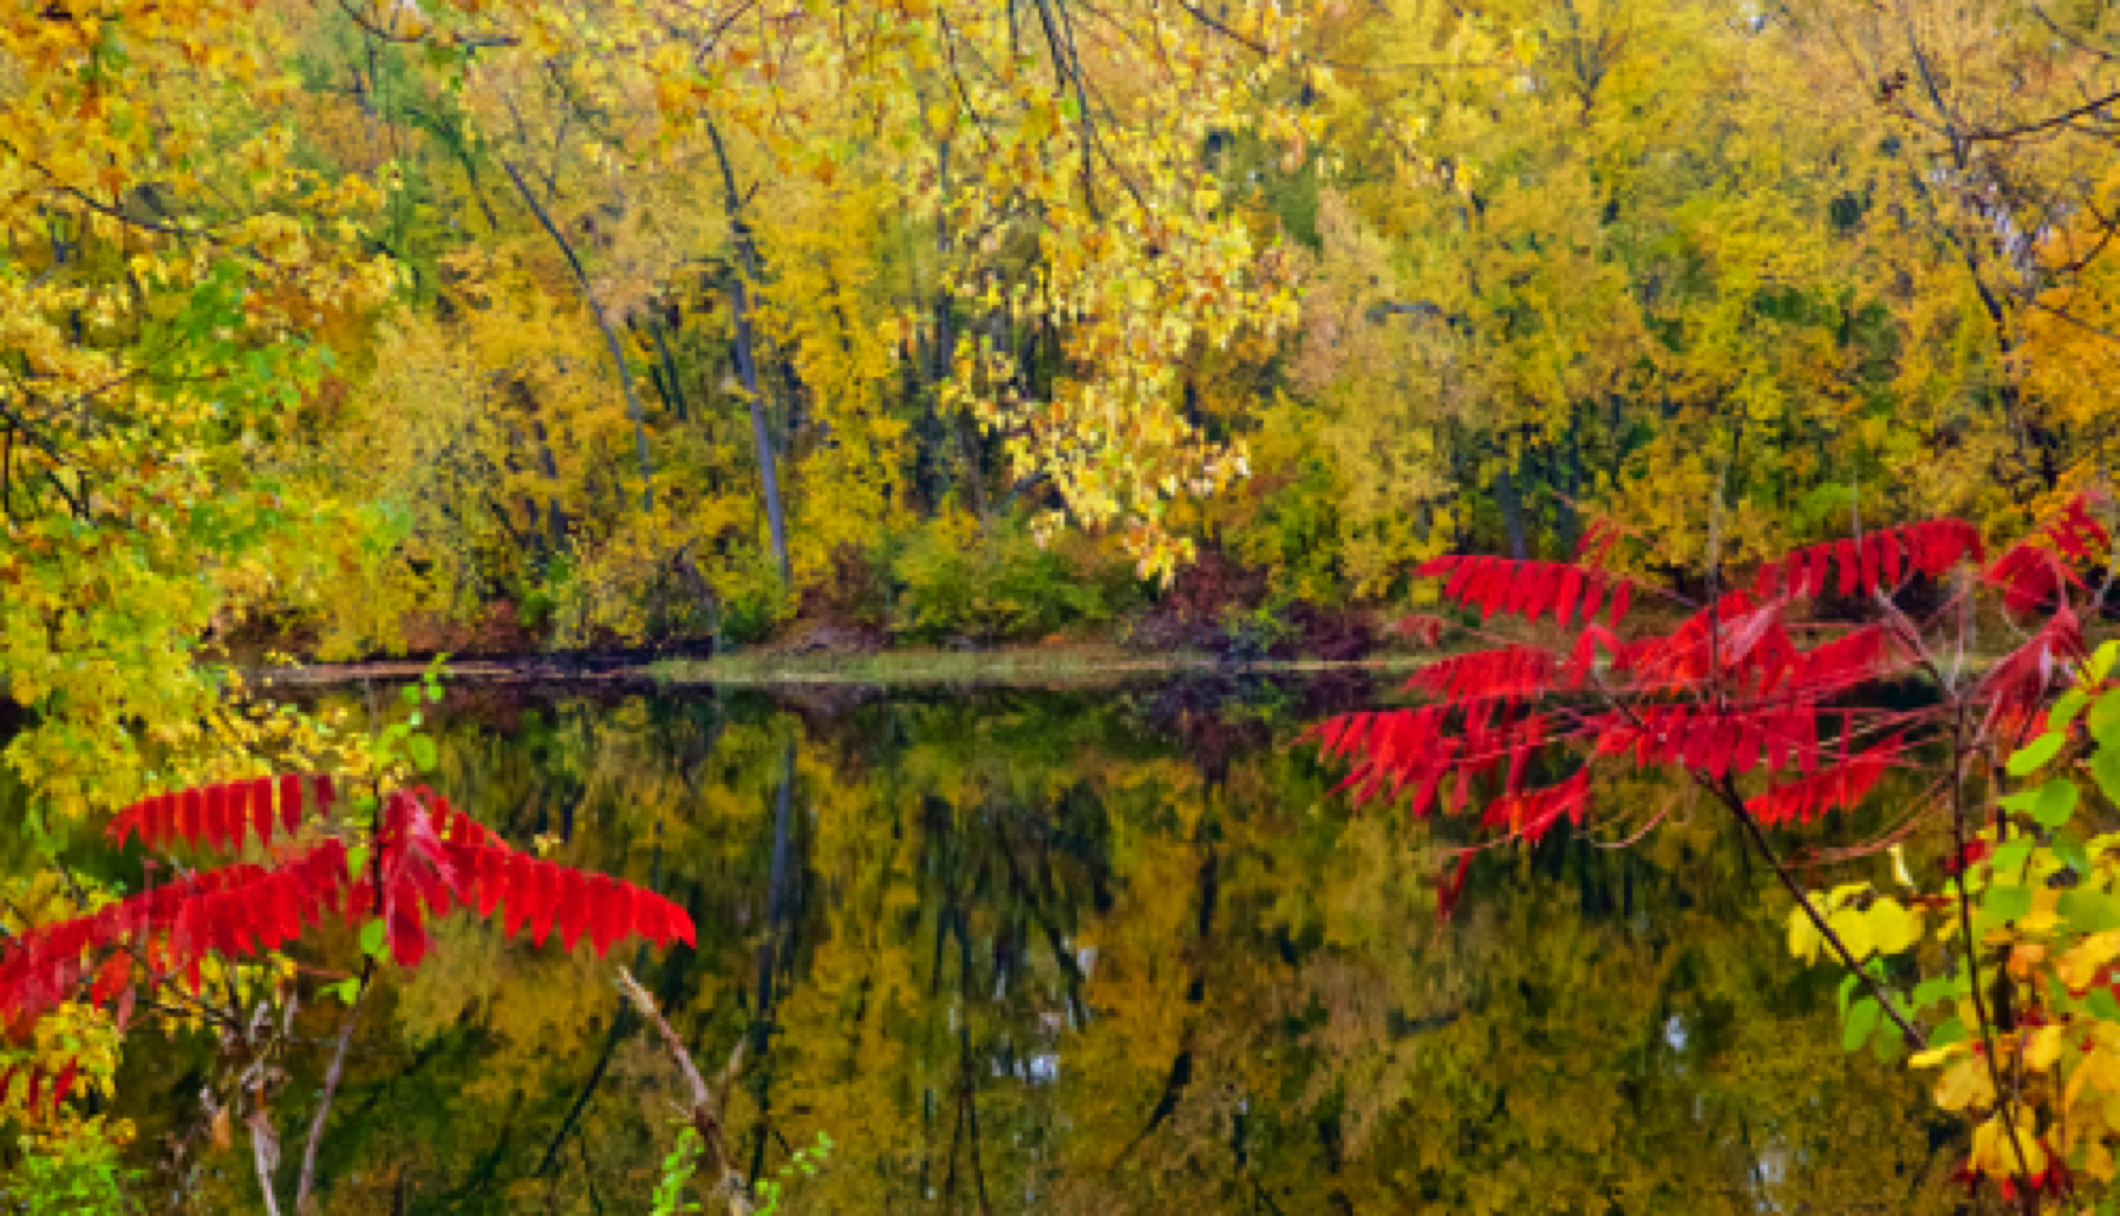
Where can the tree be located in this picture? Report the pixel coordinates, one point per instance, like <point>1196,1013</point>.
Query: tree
<point>1726,696</point>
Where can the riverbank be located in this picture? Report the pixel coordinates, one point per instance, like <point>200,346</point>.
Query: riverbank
<point>1085,664</point>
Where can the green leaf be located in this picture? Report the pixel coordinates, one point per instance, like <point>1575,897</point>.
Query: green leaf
<point>2103,1004</point>
<point>2002,904</point>
<point>422,750</point>
<point>2034,755</point>
<point>2105,770</point>
<point>434,692</point>
<point>1947,1032</point>
<point>2056,804</point>
<point>2089,911</point>
<point>372,939</point>
<point>409,694</point>
<point>347,990</point>
<point>1941,988</point>
<point>2008,862</point>
<point>1889,1046</point>
<point>1862,1021</point>
<point>2101,662</point>
<point>2104,720</point>
<point>1847,989</point>
<point>2066,709</point>
<point>2070,850</point>
<point>357,861</point>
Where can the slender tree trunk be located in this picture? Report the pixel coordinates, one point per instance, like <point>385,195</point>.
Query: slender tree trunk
<point>669,366</point>
<point>556,515</point>
<point>945,350</point>
<point>1568,521</point>
<point>1512,514</point>
<point>612,345</point>
<point>747,360</point>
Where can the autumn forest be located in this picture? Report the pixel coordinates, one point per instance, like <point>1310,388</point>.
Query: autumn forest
<point>1443,524</point>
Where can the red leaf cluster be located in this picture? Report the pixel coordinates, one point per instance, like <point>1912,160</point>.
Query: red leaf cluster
<point>1529,589</point>
<point>1415,749</point>
<point>1511,672</point>
<point>1734,635</point>
<point>1782,736</point>
<point>33,1076</point>
<point>429,858</point>
<point>1877,562</point>
<point>219,816</point>
<point>2018,683</point>
<point>2030,577</point>
<point>536,896</point>
<point>235,910</point>
<point>1597,542</point>
<point>1841,787</point>
<point>2076,532</point>
<point>1838,665</point>
<point>1533,813</point>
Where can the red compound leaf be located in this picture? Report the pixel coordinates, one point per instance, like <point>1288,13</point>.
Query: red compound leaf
<point>1451,888</point>
<point>2076,533</point>
<point>1879,562</point>
<point>1840,787</point>
<point>236,910</point>
<point>2018,683</point>
<point>430,859</point>
<point>540,893</point>
<point>2030,577</point>
<point>1719,744</point>
<point>219,816</point>
<point>1527,589</point>
<point>1531,815</point>
<point>1511,672</point>
<point>1838,665</point>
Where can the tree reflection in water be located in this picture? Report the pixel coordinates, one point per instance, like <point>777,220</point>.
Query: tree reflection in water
<point>1109,951</point>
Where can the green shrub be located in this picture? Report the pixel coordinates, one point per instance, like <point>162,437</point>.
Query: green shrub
<point>957,580</point>
<point>79,1177</point>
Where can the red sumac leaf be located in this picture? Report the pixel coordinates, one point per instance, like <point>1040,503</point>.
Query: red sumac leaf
<point>65,1084</point>
<point>191,811</point>
<point>574,906</point>
<point>291,804</point>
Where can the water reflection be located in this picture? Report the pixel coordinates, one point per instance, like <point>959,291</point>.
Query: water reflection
<point>1091,952</point>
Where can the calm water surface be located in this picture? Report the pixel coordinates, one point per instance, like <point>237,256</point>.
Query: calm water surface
<point>1110,951</point>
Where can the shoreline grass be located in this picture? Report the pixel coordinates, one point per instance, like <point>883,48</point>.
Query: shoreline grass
<point>1085,664</point>
<point>1025,665</point>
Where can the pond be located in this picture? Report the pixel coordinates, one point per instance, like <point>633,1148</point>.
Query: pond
<point>1109,950</point>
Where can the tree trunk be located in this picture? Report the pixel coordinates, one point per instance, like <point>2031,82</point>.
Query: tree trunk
<point>945,351</point>
<point>1512,514</point>
<point>616,349</point>
<point>676,389</point>
<point>747,361</point>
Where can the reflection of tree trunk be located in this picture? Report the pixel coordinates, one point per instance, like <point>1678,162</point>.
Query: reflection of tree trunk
<point>747,359</point>
<point>780,912</point>
<point>620,1026</point>
<point>968,1075</point>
